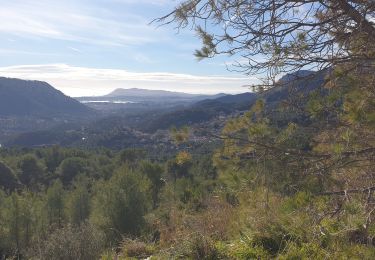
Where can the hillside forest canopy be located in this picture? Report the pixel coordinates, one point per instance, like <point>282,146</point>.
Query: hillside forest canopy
<point>287,180</point>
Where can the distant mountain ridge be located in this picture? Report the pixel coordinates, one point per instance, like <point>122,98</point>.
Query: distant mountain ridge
<point>121,92</point>
<point>301,82</point>
<point>38,99</point>
<point>148,95</point>
<point>301,74</point>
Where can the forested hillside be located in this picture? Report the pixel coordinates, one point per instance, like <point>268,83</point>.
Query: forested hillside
<point>36,98</point>
<point>27,106</point>
<point>291,177</point>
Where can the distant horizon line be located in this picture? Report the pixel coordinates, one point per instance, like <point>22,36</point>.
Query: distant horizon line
<point>169,91</point>
<point>78,81</point>
<point>130,88</point>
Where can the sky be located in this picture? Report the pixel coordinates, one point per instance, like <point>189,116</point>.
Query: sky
<point>90,47</point>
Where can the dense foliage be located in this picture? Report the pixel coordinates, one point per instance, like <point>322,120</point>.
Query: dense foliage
<point>86,202</point>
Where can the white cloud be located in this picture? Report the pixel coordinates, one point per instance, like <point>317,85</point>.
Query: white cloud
<point>141,58</point>
<point>83,81</point>
<point>75,49</point>
<point>74,22</point>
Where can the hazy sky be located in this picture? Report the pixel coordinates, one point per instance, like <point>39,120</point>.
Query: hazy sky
<point>90,47</point>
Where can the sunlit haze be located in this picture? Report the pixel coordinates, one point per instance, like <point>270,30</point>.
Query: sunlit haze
<point>90,47</point>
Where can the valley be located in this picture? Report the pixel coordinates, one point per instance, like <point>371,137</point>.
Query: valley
<point>132,118</point>
<point>136,118</point>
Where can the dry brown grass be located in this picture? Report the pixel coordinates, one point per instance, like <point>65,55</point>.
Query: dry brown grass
<point>181,226</point>
<point>135,248</point>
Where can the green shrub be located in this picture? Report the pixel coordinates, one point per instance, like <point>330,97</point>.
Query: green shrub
<point>80,243</point>
<point>120,205</point>
<point>202,247</point>
<point>136,248</point>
